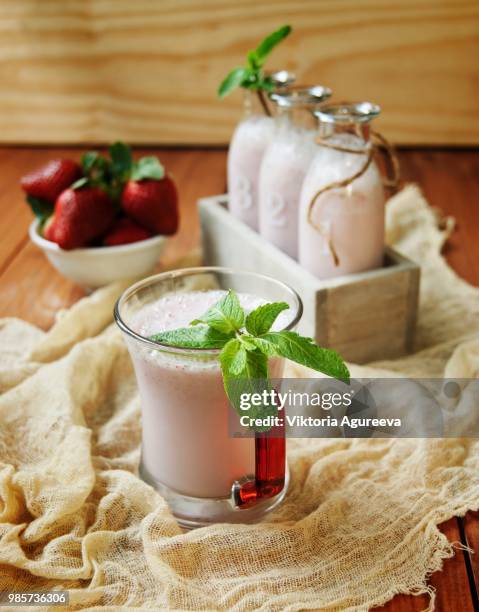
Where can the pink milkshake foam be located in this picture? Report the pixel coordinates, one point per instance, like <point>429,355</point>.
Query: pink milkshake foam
<point>186,444</point>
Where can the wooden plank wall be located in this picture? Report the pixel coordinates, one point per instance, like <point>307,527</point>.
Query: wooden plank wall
<point>79,71</point>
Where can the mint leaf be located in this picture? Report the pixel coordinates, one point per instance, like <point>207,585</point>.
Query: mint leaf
<point>265,346</point>
<point>121,160</point>
<point>200,337</point>
<point>269,43</point>
<point>147,168</point>
<point>260,320</point>
<point>42,209</point>
<point>255,365</point>
<point>247,342</point>
<point>233,80</point>
<point>253,60</point>
<point>250,379</point>
<point>233,357</point>
<point>226,316</point>
<point>303,351</point>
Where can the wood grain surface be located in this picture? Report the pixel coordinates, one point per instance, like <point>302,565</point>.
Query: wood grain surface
<point>98,70</point>
<point>32,290</point>
<point>470,538</point>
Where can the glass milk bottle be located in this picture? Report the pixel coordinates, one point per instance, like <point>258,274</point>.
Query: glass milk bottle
<point>341,224</point>
<point>248,144</point>
<point>285,163</point>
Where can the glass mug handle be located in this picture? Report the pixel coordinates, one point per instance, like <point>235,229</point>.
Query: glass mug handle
<point>270,469</point>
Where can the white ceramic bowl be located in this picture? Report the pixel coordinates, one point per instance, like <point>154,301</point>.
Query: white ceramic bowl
<point>97,266</point>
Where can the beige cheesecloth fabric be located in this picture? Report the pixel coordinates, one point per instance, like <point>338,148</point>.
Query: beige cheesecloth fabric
<point>359,523</point>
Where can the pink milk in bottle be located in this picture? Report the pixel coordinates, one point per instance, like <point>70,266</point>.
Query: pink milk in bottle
<point>250,140</point>
<point>342,232</point>
<point>285,163</point>
<point>248,144</point>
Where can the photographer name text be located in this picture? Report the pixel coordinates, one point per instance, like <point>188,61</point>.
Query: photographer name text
<point>325,401</point>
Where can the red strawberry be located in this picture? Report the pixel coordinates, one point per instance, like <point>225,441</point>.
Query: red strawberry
<point>50,180</point>
<point>125,231</point>
<point>48,228</point>
<point>153,204</point>
<point>80,216</point>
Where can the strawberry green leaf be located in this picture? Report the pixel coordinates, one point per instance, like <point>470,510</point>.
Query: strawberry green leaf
<point>201,337</point>
<point>236,78</point>
<point>121,159</point>
<point>147,168</point>
<point>97,169</point>
<point>89,160</point>
<point>82,182</point>
<point>225,316</point>
<point>260,320</point>
<point>40,208</point>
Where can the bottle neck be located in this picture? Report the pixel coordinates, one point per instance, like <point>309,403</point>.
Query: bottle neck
<point>357,134</point>
<point>300,117</point>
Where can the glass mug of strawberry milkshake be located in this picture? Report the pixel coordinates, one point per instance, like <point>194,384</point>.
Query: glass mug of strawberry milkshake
<point>342,204</point>
<point>188,453</point>
<point>248,144</point>
<point>285,163</point>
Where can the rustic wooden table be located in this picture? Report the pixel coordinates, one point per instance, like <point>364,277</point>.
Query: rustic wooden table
<point>31,289</point>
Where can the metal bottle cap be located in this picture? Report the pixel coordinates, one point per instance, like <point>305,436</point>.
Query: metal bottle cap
<point>348,112</point>
<point>301,96</point>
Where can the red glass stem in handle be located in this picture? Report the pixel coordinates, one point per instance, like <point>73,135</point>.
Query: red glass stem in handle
<point>270,467</point>
<point>270,461</point>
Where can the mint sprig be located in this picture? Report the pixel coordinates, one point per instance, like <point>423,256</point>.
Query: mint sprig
<point>252,75</point>
<point>246,343</point>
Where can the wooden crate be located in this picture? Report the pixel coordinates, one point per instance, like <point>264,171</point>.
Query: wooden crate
<point>366,316</point>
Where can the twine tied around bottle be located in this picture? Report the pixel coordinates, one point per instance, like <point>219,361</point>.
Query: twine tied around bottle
<point>391,181</point>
